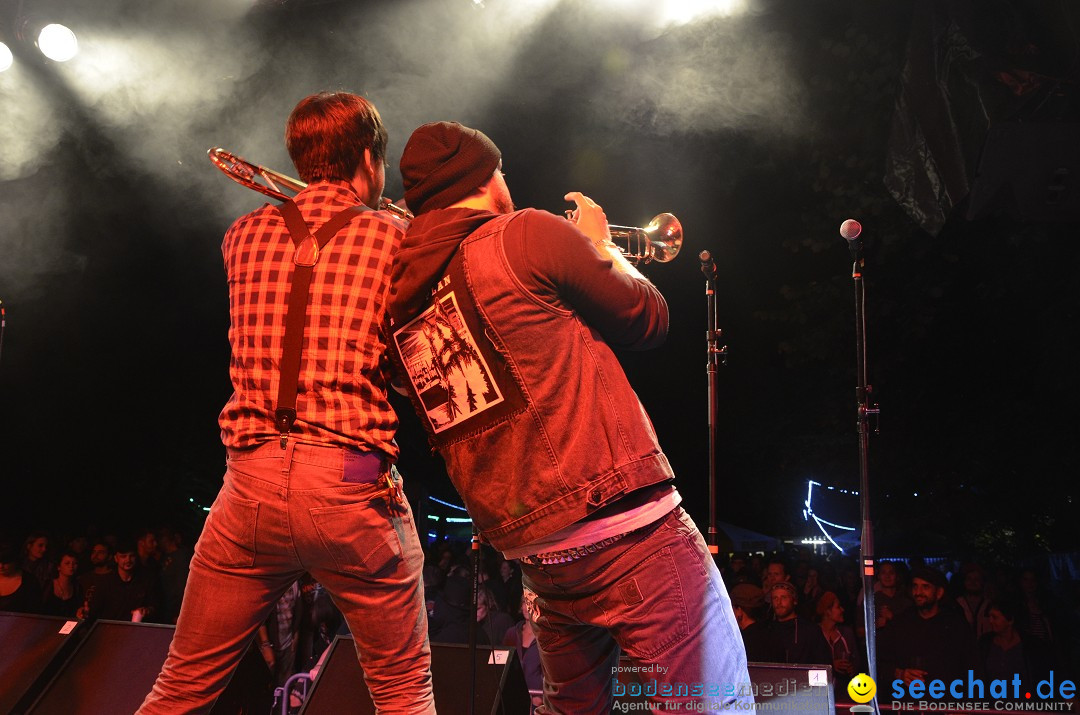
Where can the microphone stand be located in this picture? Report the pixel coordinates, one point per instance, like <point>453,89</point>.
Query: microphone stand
<point>475,545</point>
<point>715,356</point>
<point>3,324</point>
<point>865,412</point>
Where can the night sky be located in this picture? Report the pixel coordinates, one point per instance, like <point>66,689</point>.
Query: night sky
<point>761,129</point>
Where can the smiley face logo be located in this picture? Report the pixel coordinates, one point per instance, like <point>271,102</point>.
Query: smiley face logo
<point>862,688</point>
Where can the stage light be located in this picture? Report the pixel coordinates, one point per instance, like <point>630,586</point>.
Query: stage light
<point>668,13</point>
<point>57,42</point>
<point>681,12</point>
<point>5,57</point>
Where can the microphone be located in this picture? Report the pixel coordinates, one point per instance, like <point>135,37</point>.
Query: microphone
<point>850,230</point>
<point>708,265</point>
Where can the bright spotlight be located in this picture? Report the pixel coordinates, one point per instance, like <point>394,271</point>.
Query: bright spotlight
<point>5,57</point>
<point>57,42</point>
<point>683,11</point>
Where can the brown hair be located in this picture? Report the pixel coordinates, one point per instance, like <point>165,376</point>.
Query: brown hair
<point>827,601</point>
<point>327,133</point>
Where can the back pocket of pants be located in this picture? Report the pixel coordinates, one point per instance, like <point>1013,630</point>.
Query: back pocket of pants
<point>359,537</point>
<point>646,609</point>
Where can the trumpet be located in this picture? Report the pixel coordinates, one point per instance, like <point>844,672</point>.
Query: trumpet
<point>275,184</point>
<point>659,241</point>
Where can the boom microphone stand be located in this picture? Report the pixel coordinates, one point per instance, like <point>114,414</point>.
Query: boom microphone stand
<point>850,230</point>
<point>716,355</point>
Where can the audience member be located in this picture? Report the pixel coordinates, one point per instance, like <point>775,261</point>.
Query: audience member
<point>175,559</point>
<point>748,603</point>
<point>1033,616</point>
<point>277,637</point>
<point>146,551</point>
<point>521,637</point>
<point>492,621</point>
<point>434,579</point>
<point>124,595</point>
<point>320,621</point>
<point>101,565</point>
<point>755,569</point>
<point>810,590</point>
<point>926,642</point>
<point>510,576</point>
<point>1004,651</point>
<point>449,621</point>
<point>19,592</point>
<point>799,640</point>
<point>490,578</point>
<point>840,637</point>
<point>446,558</point>
<point>79,545</point>
<point>973,600</point>
<point>775,572</point>
<point>891,599</point>
<point>35,558</point>
<point>64,595</point>
<point>737,571</point>
<point>850,584</point>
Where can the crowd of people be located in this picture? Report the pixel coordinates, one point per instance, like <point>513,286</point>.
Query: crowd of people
<point>141,578</point>
<point>137,578</point>
<point>932,622</point>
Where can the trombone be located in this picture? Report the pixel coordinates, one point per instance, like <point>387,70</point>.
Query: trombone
<point>659,241</point>
<point>272,183</point>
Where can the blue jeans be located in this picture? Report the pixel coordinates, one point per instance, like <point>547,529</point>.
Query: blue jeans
<point>281,513</point>
<point>655,595</point>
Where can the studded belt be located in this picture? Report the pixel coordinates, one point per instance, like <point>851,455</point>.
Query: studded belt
<point>563,556</point>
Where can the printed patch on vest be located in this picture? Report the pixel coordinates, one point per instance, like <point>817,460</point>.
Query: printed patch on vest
<point>445,365</point>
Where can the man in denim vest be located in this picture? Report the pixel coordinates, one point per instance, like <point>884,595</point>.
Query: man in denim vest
<point>504,323</point>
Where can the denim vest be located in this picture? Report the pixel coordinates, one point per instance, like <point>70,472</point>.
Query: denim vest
<point>547,429</point>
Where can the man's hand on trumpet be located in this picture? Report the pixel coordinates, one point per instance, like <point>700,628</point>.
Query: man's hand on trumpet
<point>591,220</point>
<point>589,217</point>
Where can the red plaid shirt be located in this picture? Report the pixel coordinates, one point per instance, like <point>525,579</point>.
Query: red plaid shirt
<point>340,396</point>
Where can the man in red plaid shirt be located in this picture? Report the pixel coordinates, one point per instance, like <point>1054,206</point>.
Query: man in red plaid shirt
<point>319,495</point>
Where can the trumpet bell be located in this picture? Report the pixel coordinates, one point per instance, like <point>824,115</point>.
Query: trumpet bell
<point>665,237</point>
<point>659,241</point>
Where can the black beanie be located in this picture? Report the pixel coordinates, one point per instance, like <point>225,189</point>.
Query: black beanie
<point>931,575</point>
<point>443,162</point>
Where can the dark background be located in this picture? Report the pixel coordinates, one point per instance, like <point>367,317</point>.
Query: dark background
<point>939,126</point>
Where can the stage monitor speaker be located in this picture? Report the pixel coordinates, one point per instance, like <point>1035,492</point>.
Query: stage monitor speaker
<point>789,687</point>
<point>115,665</point>
<point>31,648</point>
<point>793,687</point>
<point>500,684</point>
